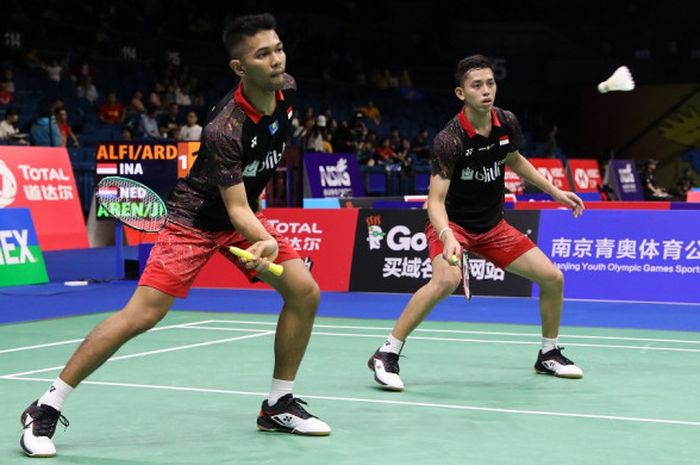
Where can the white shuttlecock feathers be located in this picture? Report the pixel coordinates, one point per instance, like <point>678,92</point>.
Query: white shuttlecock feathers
<point>620,80</point>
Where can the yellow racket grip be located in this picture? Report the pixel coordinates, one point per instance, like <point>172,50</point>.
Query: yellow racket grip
<point>273,268</point>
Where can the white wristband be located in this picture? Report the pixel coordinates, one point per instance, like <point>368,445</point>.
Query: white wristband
<point>442,231</point>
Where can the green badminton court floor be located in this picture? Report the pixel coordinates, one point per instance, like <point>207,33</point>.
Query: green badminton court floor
<point>188,392</point>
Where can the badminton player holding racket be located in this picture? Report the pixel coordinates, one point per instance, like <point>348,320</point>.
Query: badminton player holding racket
<point>210,210</point>
<point>465,207</point>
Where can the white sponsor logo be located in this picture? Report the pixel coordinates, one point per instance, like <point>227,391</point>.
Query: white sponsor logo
<point>8,185</point>
<point>335,176</point>
<point>8,247</point>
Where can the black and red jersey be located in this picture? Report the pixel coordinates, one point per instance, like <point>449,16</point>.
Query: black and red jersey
<point>475,166</point>
<point>238,144</point>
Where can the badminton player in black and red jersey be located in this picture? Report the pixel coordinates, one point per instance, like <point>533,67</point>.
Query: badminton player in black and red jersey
<point>465,208</point>
<point>213,208</point>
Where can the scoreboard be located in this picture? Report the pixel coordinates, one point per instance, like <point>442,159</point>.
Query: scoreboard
<point>158,165</point>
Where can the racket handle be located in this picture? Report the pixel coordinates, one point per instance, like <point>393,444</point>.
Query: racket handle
<point>273,268</point>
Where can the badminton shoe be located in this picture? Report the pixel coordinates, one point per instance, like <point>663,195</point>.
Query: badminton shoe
<point>39,423</point>
<point>288,415</point>
<point>385,366</point>
<point>555,364</point>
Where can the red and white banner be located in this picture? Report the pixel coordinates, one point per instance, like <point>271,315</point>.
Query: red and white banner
<point>514,183</point>
<point>585,175</point>
<point>41,179</point>
<point>323,238</point>
<point>553,170</point>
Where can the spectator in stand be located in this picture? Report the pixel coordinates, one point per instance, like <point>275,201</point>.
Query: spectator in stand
<point>342,139</point>
<point>395,138</point>
<point>9,132</point>
<point>182,95</point>
<point>7,78</point>
<point>64,128</point>
<point>190,131</point>
<point>314,139</point>
<point>127,134</point>
<point>420,148</point>
<point>170,121</point>
<point>403,156</point>
<point>371,112</point>
<point>54,70</point>
<point>112,111</point>
<point>87,90</point>
<point>148,124</point>
<point>136,106</point>
<point>44,131</point>
<point>685,184</point>
<point>154,98</point>
<point>384,154</point>
<point>365,153</point>
<point>5,94</point>
<point>83,69</point>
<point>652,191</point>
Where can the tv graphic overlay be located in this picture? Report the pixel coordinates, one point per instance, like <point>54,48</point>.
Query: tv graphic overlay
<point>625,255</point>
<point>391,255</point>
<point>157,165</point>
<point>21,260</point>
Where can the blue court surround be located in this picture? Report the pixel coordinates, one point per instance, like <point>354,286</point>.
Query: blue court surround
<point>53,300</point>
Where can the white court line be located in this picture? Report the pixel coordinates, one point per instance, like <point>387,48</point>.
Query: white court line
<point>482,341</point>
<point>73,341</point>
<point>489,333</point>
<point>392,402</point>
<point>150,352</point>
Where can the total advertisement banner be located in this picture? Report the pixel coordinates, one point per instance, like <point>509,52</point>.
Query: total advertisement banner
<point>391,255</point>
<point>332,175</point>
<point>632,255</point>
<point>21,261</point>
<point>322,238</point>
<point>41,179</point>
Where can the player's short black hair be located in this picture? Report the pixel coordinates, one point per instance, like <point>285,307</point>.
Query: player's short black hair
<point>245,26</point>
<point>469,63</point>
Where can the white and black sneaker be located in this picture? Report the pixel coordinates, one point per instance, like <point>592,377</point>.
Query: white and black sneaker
<point>289,416</point>
<point>555,364</point>
<point>39,422</point>
<point>385,366</point>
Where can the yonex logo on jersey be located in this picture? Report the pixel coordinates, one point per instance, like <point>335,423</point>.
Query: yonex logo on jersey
<point>469,151</point>
<point>254,142</point>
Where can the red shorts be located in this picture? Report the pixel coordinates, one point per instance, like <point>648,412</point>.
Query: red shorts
<point>501,245</point>
<point>181,252</point>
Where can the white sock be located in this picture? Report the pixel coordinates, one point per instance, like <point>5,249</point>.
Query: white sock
<point>279,388</point>
<point>56,395</point>
<point>392,345</point>
<point>549,344</point>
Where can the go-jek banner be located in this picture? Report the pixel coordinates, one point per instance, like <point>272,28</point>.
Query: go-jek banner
<point>630,255</point>
<point>41,179</point>
<point>21,261</point>
<point>332,175</point>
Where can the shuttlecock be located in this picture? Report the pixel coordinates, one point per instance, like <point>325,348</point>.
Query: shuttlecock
<point>620,80</point>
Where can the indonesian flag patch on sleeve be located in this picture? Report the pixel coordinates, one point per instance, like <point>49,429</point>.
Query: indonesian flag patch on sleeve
<point>503,140</point>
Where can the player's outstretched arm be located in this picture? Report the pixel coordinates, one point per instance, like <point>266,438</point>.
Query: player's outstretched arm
<point>438,217</point>
<point>522,167</point>
<point>264,248</point>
